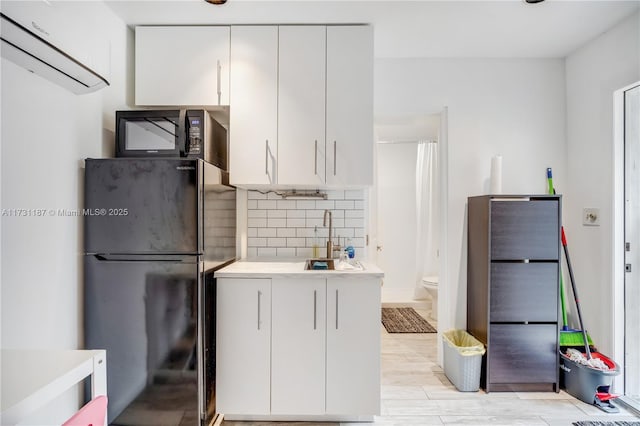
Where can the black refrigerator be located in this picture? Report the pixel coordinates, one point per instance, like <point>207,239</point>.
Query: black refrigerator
<point>155,230</point>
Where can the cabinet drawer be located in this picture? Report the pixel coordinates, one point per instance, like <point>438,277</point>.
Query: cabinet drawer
<point>525,230</point>
<point>520,353</point>
<point>524,292</point>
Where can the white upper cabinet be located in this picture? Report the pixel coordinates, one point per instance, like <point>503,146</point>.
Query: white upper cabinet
<point>253,128</point>
<point>301,105</point>
<point>349,105</point>
<point>182,65</point>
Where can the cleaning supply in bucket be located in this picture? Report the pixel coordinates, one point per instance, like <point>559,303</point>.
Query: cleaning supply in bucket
<point>588,384</point>
<point>569,337</point>
<point>578,357</point>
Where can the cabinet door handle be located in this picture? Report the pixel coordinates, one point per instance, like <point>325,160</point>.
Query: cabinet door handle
<point>336,308</point>
<point>315,305</point>
<point>266,157</point>
<point>219,82</point>
<point>315,159</point>
<point>335,165</point>
<point>259,294</point>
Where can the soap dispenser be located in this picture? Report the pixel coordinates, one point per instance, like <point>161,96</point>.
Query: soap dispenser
<point>351,252</point>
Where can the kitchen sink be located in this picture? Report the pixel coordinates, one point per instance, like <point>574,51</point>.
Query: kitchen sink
<point>333,265</point>
<point>308,264</point>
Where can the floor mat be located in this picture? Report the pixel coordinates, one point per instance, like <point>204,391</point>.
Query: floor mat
<point>405,320</point>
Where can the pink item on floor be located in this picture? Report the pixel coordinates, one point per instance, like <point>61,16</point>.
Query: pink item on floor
<point>93,413</point>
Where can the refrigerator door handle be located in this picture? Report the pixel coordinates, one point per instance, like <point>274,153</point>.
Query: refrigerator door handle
<point>173,258</point>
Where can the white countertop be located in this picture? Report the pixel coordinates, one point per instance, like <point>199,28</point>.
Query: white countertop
<point>292,269</point>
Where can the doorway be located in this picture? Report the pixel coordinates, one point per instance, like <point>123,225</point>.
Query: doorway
<point>627,241</point>
<point>407,207</point>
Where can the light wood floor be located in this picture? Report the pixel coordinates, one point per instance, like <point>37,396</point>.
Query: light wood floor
<point>415,391</point>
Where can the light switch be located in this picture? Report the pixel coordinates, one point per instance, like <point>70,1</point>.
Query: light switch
<point>591,217</point>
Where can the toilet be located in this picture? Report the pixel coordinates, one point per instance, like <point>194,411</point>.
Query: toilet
<point>431,285</point>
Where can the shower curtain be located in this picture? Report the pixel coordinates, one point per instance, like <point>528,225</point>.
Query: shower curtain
<point>427,197</point>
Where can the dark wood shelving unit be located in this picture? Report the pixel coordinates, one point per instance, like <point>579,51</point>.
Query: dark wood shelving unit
<point>513,274</point>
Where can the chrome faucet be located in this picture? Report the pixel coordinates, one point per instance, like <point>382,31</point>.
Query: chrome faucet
<point>329,242</point>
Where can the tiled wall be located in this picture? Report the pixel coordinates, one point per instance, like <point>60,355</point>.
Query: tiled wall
<point>220,224</point>
<point>278,227</point>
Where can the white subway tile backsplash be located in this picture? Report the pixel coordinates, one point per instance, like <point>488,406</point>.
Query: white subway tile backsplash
<point>306,232</point>
<point>286,204</point>
<point>267,204</point>
<point>296,242</point>
<point>277,242</point>
<point>257,242</point>
<point>277,223</point>
<point>314,213</point>
<point>289,228</point>
<point>255,195</point>
<point>296,223</point>
<point>354,223</point>
<point>338,223</point>
<point>286,252</point>
<point>266,252</point>
<point>345,232</point>
<point>286,232</point>
<point>325,204</point>
<point>311,222</point>
<point>267,232</point>
<point>356,194</point>
<point>256,213</point>
<point>256,222</point>
<point>304,252</point>
<point>335,195</point>
<point>276,213</point>
<point>348,204</point>
<point>305,204</point>
<point>296,213</point>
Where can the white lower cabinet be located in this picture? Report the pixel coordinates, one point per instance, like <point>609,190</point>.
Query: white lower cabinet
<point>321,356</point>
<point>353,331</point>
<point>243,346</point>
<point>298,346</point>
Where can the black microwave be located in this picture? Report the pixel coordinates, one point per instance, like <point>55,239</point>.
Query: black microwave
<point>180,133</point>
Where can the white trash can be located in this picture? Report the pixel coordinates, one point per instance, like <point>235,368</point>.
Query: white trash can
<point>462,359</point>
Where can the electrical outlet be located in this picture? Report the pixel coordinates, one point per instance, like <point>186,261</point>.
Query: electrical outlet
<point>591,217</point>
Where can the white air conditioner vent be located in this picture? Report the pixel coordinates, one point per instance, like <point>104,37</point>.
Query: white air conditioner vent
<point>37,53</point>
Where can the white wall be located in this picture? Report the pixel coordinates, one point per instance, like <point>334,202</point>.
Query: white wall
<point>593,73</point>
<point>512,107</point>
<point>46,132</point>
<point>397,220</point>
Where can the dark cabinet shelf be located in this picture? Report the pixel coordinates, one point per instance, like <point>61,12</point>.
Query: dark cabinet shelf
<point>512,289</point>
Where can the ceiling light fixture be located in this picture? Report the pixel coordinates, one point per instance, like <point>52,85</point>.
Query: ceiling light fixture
<point>216,1</point>
<point>533,1</point>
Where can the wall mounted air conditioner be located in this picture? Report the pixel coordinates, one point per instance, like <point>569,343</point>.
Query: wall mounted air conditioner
<point>44,44</point>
